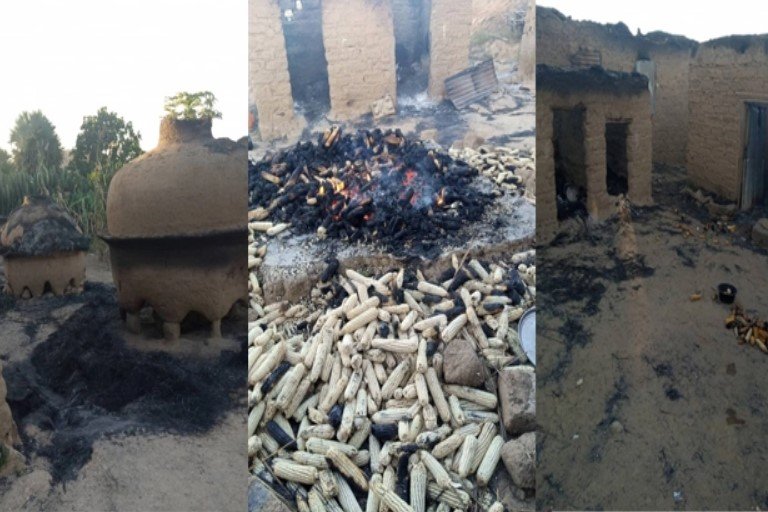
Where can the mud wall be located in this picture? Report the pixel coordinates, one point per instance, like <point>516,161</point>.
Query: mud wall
<point>450,29</point>
<point>269,83</point>
<point>527,60</point>
<point>599,109</point>
<point>725,75</point>
<point>359,41</point>
<point>560,37</point>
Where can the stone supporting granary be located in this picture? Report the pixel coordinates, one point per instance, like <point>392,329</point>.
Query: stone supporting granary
<point>728,117</point>
<point>593,142</point>
<point>450,30</point>
<point>564,42</point>
<point>269,83</point>
<point>359,40</point>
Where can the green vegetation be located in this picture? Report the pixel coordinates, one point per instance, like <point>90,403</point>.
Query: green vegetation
<point>186,106</point>
<point>105,143</point>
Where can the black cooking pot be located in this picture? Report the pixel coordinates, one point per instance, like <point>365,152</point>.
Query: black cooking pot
<point>726,293</point>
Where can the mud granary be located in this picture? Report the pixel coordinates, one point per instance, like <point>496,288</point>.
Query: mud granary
<point>338,57</point>
<point>708,101</point>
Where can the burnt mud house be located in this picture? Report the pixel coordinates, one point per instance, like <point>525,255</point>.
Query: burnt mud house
<point>707,100</point>
<point>594,128</point>
<point>727,140</point>
<point>338,57</point>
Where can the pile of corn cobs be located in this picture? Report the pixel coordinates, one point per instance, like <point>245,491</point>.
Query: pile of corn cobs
<point>347,401</point>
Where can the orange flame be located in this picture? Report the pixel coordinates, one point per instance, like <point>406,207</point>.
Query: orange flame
<point>440,200</point>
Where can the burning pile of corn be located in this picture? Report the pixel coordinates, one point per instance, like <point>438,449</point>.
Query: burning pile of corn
<point>347,395</point>
<point>499,164</point>
<point>748,330</point>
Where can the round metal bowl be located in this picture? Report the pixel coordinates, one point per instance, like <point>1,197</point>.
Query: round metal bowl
<point>526,329</point>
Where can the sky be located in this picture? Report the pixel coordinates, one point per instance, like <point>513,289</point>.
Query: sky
<point>695,19</point>
<point>69,58</point>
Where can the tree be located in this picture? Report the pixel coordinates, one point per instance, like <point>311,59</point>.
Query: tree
<point>186,106</point>
<point>34,143</point>
<point>105,143</point>
<point>6,165</point>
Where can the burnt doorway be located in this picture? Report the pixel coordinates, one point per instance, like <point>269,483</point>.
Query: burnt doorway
<point>617,168</point>
<point>755,179</point>
<point>307,67</point>
<point>570,162</point>
<point>411,24</point>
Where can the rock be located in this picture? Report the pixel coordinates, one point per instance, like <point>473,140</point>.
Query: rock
<point>721,210</point>
<point>617,427</point>
<point>261,497</point>
<point>429,134</point>
<point>383,107</point>
<point>760,233</point>
<point>517,395</point>
<point>462,365</point>
<point>513,497</point>
<point>519,456</point>
<point>472,140</point>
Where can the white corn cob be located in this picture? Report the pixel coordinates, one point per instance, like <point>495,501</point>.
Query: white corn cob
<point>418,487</point>
<point>489,462</point>
<point>362,320</point>
<point>431,289</point>
<point>310,459</point>
<point>421,388</point>
<point>321,446</point>
<point>483,398</point>
<point>433,321</point>
<point>483,442</point>
<point>421,356</point>
<point>374,447</point>
<point>327,483</point>
<point>390,499</point>
<point>392,415</point>
<point>395,378</point>
<point>465,456</point>
<point>456,412</point>
<point>347,467</point>
<point>346,497</point>
<point>436,469</point>
<point>372,504</point>
<point>400,346</point>
<point>294,472</point>
<point>438,397</point>
<point>447,446</point>
<point>454,327</point>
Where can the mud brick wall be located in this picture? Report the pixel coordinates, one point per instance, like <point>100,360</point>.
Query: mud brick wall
<point>600,108</point>
<point>559,37</point>
<point>670,118</point>
<point>725,75</point>
<point>450,28</point>
<point>359,40</point>
<point>527,61</point>
<point>269,84</point>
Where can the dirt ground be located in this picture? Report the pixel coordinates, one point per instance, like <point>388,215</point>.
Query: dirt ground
<point>646,401</point>
<point>87,454</point>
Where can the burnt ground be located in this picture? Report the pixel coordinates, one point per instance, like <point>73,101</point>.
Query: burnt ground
<point>105,426</point>
<point>640,388</point>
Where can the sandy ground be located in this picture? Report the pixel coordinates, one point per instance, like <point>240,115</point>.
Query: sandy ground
<point>144,471</point>
<point>645,400</point>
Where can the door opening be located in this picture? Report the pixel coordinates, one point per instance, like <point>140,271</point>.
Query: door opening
<point>754,191</point>
<point>616,175</point>
<point>570,162</point>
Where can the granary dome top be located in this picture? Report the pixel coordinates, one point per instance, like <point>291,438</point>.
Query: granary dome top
<point>40,227</point>
<point>191,184</point>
